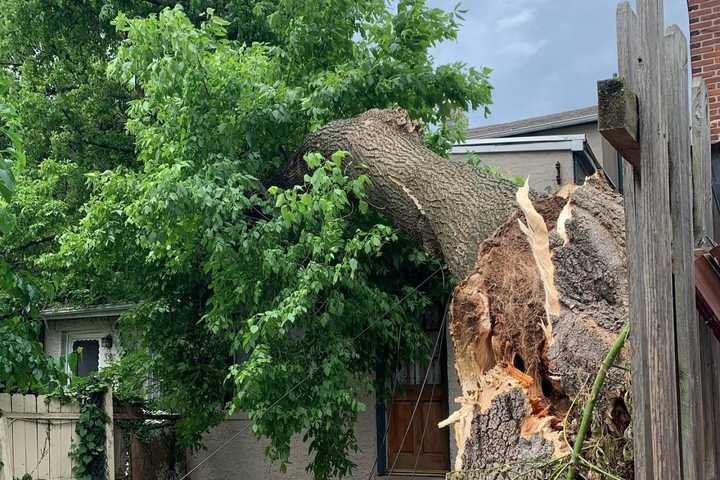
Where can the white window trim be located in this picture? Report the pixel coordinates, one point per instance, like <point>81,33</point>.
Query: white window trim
<point>69,337</point>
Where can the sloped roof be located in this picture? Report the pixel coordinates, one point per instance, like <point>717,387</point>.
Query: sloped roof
<point>535,124</point>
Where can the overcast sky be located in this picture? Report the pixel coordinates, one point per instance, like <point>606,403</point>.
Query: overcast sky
<point>546,55</point>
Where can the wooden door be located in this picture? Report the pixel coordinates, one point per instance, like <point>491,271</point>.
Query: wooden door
<point>425,447</point>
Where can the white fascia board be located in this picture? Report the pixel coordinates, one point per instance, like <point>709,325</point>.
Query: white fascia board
<point>529,139</point>
<point>526,147</point>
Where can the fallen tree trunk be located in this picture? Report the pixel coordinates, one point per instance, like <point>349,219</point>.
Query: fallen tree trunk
<point>542,297</point>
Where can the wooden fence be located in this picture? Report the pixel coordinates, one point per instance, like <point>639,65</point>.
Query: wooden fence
<point>36,434</point>
<point>145,445</point>
<point>646,115</point>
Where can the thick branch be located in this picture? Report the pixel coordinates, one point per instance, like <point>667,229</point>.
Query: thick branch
<point>444,203</point>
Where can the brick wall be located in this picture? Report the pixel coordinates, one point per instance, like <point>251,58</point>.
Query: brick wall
<point>705,53</point>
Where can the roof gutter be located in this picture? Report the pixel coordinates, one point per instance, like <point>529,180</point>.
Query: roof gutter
<point>95,311</point>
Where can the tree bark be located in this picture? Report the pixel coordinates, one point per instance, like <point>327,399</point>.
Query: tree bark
<point>445,204</point>
<point>542,297</point>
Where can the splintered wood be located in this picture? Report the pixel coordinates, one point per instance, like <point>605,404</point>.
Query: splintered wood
<point>532,322</point>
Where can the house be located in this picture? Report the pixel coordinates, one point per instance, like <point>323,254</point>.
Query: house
<point>94,329</point>
<point>704,17</point>
<point>550,150</point>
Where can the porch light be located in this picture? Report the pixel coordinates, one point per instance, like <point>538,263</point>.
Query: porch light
<point>106,341</point>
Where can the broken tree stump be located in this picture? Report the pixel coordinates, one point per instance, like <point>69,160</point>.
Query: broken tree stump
<point>532,323</point>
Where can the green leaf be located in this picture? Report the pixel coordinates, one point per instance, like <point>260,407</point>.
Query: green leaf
<point>7,183</point>
<point>7,221</point>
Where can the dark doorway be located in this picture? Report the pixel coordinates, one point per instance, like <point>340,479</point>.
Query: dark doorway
<point>88,356</point>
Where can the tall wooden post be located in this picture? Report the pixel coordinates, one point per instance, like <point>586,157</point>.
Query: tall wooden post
<point>628,40</point>
<point>658,208</point>
<point>687,328</point>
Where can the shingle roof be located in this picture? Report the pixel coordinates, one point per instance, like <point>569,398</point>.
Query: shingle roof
<point>104,310</point>
<point>535,124</point>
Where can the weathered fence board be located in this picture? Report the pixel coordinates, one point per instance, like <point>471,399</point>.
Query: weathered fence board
<point>628,51</point>
<point>5,451</point>
<point>669,413</point>
<point>36,435</point>
<point>702,173</point>
<point>702,227</point>
<point>43,439</point>
<point>687,328</point>
<point>653,217</point>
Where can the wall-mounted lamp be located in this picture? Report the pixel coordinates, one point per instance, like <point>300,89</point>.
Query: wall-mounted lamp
<point>558,178</point>
<point>106,341</point>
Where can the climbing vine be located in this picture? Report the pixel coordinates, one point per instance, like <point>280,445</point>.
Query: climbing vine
<point>88,450</point>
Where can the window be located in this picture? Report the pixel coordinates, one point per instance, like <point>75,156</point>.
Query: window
<point>94,353</point>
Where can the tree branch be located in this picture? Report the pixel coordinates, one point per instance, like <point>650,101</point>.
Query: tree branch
<point>33,243</point>
<point>117,148</point>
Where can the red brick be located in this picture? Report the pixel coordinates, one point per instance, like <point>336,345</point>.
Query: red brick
<point>702,50</point>
<point>701,12</point>
<point>704,22</point>
<point>702,38</point>
<point>704,25</point>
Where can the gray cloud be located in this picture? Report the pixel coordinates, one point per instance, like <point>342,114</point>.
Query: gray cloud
<point>546,55</point>
<point>516,20</point>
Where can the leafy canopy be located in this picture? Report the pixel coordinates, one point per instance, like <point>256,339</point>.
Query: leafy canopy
<point>23,365</point>
<point>152,136</point>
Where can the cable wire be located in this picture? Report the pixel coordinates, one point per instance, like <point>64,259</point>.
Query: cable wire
<point>427,420</point>
<point>307,377</point>
<point>422,387</point>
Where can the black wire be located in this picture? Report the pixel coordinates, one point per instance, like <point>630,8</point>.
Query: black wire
<point>291,389</point>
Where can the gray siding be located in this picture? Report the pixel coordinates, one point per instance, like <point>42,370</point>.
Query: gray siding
<point>57,333</point>
<point>538,166</point>
<point>604,152</point>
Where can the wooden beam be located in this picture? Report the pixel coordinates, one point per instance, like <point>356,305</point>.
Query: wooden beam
<point>618,118</point>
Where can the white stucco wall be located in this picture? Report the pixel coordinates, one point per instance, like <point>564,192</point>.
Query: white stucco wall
<point>244,457</point>
<point>605,154</point>
<point>58,331</point>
